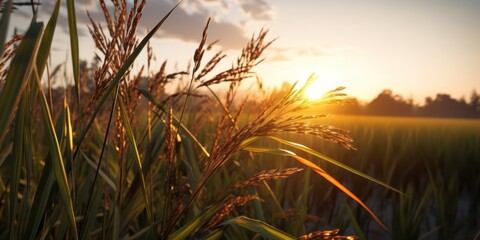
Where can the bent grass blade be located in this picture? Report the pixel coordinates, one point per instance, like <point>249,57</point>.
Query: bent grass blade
<point>321,172</point>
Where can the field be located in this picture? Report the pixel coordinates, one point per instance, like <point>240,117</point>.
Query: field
<point>113,155</point>
<point>434,161</point>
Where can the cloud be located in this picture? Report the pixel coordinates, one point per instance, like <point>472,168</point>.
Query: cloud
<point>311,51</point>
<point>258,9</point>
<point>286,54</point>
<point>186,23</point>
<point>188,27</point>
<point>279,57</point>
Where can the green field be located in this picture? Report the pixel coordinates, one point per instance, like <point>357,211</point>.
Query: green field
<point>434,161</point>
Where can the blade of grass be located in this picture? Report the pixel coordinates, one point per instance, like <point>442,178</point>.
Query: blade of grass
<point>111,87</point>
<point>187,229</point>
<point>191,162</point>
<point>45,45</point>
<point>321,172</point>
<point>138,162</point>
<point>57,160</point>
<point>40,200</point>
<point>356,226</point>
<point>72,26</point>
<point>262,228</point>
<point>90,220</point>
<point>99,164</point>
<point>334,181</point>
<point>18,160</point>
<point>17,77</point>
<point>104,175</point>
<point>333,161</point>
<point>4,23</point>
<point>5,152</point>
<point>68,143</point>
<point>214,235</point>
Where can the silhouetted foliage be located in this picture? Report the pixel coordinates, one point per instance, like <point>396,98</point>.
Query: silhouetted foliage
<point>388,104</point>
<point>445,106</point>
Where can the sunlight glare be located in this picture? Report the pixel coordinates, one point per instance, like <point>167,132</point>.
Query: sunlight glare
<point>325,82</point>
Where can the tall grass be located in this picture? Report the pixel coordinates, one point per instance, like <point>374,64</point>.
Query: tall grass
<point>125,161</point>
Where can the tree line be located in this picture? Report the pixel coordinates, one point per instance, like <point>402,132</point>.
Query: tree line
<point>389,104</point>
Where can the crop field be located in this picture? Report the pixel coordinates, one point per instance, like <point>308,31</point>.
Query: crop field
<point>435,162</point>
<point>112,154</point>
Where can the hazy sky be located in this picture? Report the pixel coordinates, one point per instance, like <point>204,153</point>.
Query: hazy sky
<point>415,48</point>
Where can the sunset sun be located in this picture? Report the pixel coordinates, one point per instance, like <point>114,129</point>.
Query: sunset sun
<point>325,82</point>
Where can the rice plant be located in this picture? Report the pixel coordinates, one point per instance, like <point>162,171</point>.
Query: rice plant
<point>126,160</point>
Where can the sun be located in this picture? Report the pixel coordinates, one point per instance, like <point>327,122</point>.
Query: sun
<point>325,82</point>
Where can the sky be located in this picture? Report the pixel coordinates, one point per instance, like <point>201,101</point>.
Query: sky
<point>415,48</point>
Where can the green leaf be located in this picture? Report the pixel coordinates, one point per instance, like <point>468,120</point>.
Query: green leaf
<point>20,71</point>
<point>191,162</point>
<point>277,151</point>
<point>262,228</point>
<point>190,227</point>
<point>57,160</point>
<point>89,219</point>
<point>72,26</point>
<point>214,235</point>
<point>356,226</point>
<point>138,162</point>
<point>5,152</point>
<point>108,180</point>
<point>333,161</point>
<point>40,200</point>
<point>45,45</point>
<point>4,23</point>
<point>321,172</point>
<point>17,159</point>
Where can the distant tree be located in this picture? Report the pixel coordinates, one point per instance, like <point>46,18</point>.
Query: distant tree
<point>350,107</point>
<point>390,105</point>
<point>475,103</point>
<point>445,106</point>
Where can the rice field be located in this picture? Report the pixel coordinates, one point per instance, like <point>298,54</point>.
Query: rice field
<point>435,162</point>
<point>125,160</point>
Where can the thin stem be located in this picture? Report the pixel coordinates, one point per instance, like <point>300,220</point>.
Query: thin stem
<point>101,157</point>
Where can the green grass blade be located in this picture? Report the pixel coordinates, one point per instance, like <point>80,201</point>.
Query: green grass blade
<point>215,235</point>
<point>190,227</point>
<point>72,26</point>
<point>17,77</point>
<point>57,160</point>
<point>333,161</point>
<point>356,226</point>
<point>111,87</point>
<point>138,162</point>
<point>108,180</point>
<point>45,45</point>
<point>5,152</point>
<point>191,162</point>
<point>68,141</point>
<point>40,200</point>
<point>321,172</point>
<point>18,160</point>
<point>4,23</point>
<point>262,228</point>
<point>89,219</point>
